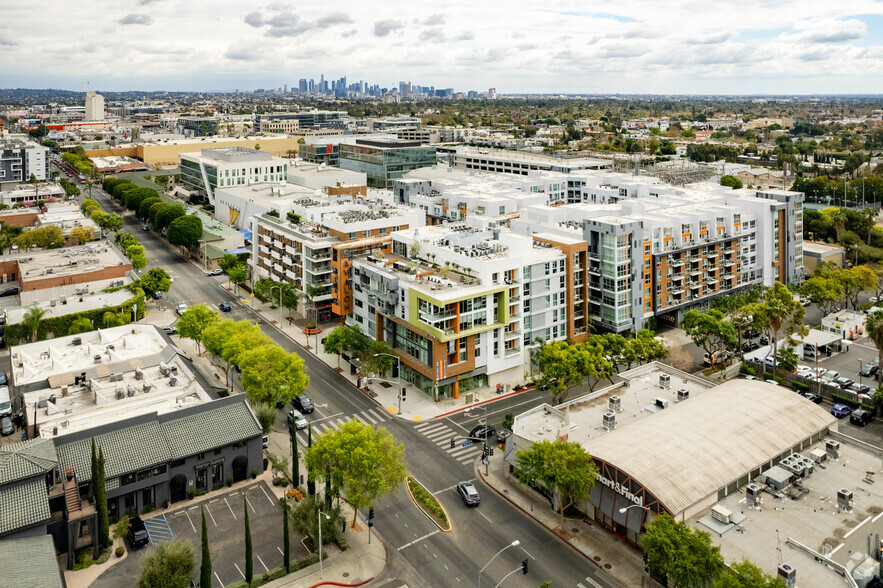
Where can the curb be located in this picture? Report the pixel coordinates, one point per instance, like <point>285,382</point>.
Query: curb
<point>331,583</point>
<point>474,404</point>
<point>546,527</point>
<point>421,509</point>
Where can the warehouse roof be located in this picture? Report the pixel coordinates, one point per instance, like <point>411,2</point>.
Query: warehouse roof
<point>690,450</point>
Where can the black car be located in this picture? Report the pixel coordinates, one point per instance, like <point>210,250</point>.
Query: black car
<point>844,382</point>
<point>860,417</point>
<point>859,388</point>
<point>9,292</point>
<point>225,307</point>
<point>303,404</point>
<point>6,426</point>
<point>812,397</point>
<point>764,340</point>
<point>137,535</point>
<point>751,334</point>
<point>749,346</point>
<point>869,370</point>
<point>468,493</point>
<point>482,432</point>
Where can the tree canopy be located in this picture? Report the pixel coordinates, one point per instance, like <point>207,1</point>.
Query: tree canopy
<point>185,231</point>
<point>170,564</point>
<point>272,375</point>
<point>156,280</point>
<point>564,467</point>
<point>194,321</point>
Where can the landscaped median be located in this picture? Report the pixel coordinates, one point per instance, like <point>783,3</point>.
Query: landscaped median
<point>428,504</point>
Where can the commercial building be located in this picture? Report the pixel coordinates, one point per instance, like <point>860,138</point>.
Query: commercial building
<point>312,241</point>
<point>312,119</point>
<point>31,562</point>
<point>94,106</point>
<point>666,441</point>
<point>210,169</point>
<point>392,123</point>
<point>431,135</point>
<point>27,193</point>
<point>289,126</point>
<point>815,253</point>
<point>461,306</point>
<point>520,162</point>
<point>384,161</point>
<point>117,164</point>
<point>167,151</point>
<point>198,126</point>
<point>326,178</point>
<point>19,159</point>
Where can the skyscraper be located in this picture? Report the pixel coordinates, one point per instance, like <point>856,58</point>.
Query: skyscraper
<point>94,106</point>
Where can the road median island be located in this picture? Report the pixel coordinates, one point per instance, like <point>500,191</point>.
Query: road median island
<point>430,506</point>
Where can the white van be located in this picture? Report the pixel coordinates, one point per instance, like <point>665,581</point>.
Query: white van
<point>5,402</point>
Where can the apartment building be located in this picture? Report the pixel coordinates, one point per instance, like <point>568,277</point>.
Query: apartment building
<point>520,162</point>
<point>312,241</point>
<point>20,158</point>
<point>206,171</point>
<point>462,305</point>
<point>94,106</point>
<point>275,125</point>
<point>392,123</point>
<point>431,135</point>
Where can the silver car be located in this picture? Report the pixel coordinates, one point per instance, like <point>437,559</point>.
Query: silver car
<point>300,421</point>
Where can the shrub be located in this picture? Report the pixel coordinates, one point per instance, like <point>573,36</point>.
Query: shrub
<point>748,370</point>
<point>120,551</point>
<point>800,386</point>
<point>778,380</point>
<point>767,376</point>
<point>230,481</point>
<point>165,504</point>
<point>427,501</point>
<point>191,492</point>
<point>147,509</point>
<point>254,474</point>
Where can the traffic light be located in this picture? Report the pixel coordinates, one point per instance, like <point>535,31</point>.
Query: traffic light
<point>453,442</point>
<point>404,390</point>
<point>395,370</point>
<point>523,567</point>
<point>484,451</point>
<point>491,451</point>
<point>371,517</point>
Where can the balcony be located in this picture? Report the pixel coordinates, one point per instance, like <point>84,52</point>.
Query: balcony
<point>435,318</point>
<point>510,335</point>
<point>696,271</point>
<point>677,262</point>
<point>512,352</point>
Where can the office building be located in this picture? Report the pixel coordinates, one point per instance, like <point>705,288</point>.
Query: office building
<point>275,125</point>
<point>94,107</point>
<point>20,158</point>
<point>392,123</point>
<point>520,162</point>
<point>384,161</point>
<point>306,120</point>
<point>202,173</point>
<point>198,126</point>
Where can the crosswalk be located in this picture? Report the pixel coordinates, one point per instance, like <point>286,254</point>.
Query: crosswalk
<point>590,581</point>
<point>440,434</point>
<point>159,530</point>
<point>372,416</point>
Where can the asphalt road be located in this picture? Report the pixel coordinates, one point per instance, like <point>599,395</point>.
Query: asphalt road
<point>419,554</point>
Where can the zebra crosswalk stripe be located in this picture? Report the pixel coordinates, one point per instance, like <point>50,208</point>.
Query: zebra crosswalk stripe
<point>367,416</point>
<point>459,451</point>
<point>426,425</point>
<point>379,416</point>
<point>443,434</point>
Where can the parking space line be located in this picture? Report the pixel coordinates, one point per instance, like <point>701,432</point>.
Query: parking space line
<point>238,570</point>
<point>210,513</point>
<point>191,523</point>
<point>280,551</point>
<point>218,578</point>
<point>248,502</point>
<point>265,494</point>
<point>231,512</point>
<point>262,563</point>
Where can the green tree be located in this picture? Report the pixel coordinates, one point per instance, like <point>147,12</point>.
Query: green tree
<point>273,375</point>
<point>745,574</point>
<point>167,565</point>
<point>80,325</point>
<point>874,329</point>
<point>154,211</point>
<point>365,462</point>
<point>166,215</point>
<point>194,321</point>
<point>709,330</point>
<point>228,339</point>
<point>205,564</point>
<point>563,467</point>
<point>156,280</point>
<point>381,359</point>
<point>559,365</point>
<point>185,231</point>
<point>249,559</point>
<point>826,292</point>
<point>237,274</point>
<point>787,359</point>
<point>228,261</point>
<point>266,415</point>
<point>731,181</point>
<point>683,555</point>
<point>305,521</point>
<point>336,342</point>
<point>286,540</point>
<point>121,529</point>
<point>32,319</point>
<point>100,489</point>
<point>781,314</point>
<point>144,207</point>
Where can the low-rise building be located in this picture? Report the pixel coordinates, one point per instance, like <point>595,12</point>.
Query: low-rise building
<point>210,169</point>
<point>27,194</point>
<point>815,253</point>
<point>521,162</point>
<point>19,159</point>
<point>330,180</point>
<point>385,161</point>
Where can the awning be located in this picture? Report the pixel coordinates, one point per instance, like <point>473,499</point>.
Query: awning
<point>246,233</point>
<point>238,250</point>
<point>816,337</point>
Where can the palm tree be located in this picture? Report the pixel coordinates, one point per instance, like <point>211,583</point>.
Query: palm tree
<point>839,220</point>
<point>871,213</point>
<point>32,319</point>
<point>874,328</point>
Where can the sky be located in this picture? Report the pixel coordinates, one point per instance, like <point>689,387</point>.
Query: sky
<point>516,46</point>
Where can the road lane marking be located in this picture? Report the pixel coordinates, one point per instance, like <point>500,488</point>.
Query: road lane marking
<point>528,555</point>
<point>238,570</point>
<point>418,540</point>
<point>450,487</point>
<point>592,582</point>
<point>262,563</point>
<point>231,508</point>
<point>485,518</point>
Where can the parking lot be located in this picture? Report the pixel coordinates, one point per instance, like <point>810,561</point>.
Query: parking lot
<point>224,516</point>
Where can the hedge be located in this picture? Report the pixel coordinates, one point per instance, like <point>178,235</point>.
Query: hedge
<point>60,325</point>
<point>428,502</point>
<point>276,573</point>
<point>800,386</point>
<point>747,369</point>
<point>852,403</point>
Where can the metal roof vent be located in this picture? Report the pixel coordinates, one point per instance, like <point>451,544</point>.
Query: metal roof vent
<point>664,381</point>
<point>615,404</point>
<point>609,421</point>
<point>787,573</point>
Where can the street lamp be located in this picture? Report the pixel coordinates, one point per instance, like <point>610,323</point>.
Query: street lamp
<point>280,302</point>
<point>860,366</point>
<point>622,510</point>
<point>515,543</point>
<point>398,359</point>
<point>204,254</point>
<point>321,514</point>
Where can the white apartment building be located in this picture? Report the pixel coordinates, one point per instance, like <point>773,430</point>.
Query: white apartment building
<point>220,167</point>
<point>462,305</point>
<point>19,158</point>
<point>94,106</point>
<point>520,162</point>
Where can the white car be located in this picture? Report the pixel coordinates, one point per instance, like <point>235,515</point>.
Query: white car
<point>873,299</point>
<point>181,309</point>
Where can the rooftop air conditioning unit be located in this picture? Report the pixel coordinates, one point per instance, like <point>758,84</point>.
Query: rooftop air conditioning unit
<point>131,390</point>
<point>615,404</point>
<point>77,341</point>
<point>844,499</point>
<point>139,375</point>
<point>683,394</point>
<point>116,377</point>
<point>173,370</point>
<point>661,403</point>
<point>111,346</point>
<point>787,573</point>
<point>832,448</point>
<point>120,393</point>
<point>173,381</point>
<point>818,456</point>
<point>163,369</point>
<point>609,421</point>
<point>721,514</point>
<point>664,381</point>
<point>96,359</point>
<point>145,387</point>
<point>753,494</point>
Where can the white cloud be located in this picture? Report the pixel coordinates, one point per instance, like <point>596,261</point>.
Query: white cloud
<point>837,31</point>
<point>136,19</point>
<point>384,27</point>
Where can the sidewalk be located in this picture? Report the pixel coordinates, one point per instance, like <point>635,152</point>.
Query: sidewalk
<point>618,560</point>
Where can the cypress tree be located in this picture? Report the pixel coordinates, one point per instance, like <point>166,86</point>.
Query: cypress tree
<point>311,484</point>
<point>328,488</point>
<point>295,462</point>
<point>205,568</point>
<point>101,503</point>
<point>249,565</point>
<point>286,541</point>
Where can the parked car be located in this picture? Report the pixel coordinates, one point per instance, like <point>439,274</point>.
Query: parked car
<point>482,432</point>
<point>502,435</point>
<point>840,411</point>
<point>805,301</point>
<point>6,426</point>
<point>749,346</point>
<point>860,417</point>
<point>764,340</point>
<point>216,272</point>
<point>303,404</point>
<point>170,330</point>
<point>770,360</point>
<point>9,292</point>
<point>145,228</point>
<point>2,378</point>
<point>868,370</point>
<point>299,420</point>
<point>830,376</point>
<point>812,397</point>
<point>224,307</point>
<point>715,358</point>
<point>181,309</point>
<point>468,493</point>
<point>844,382</point>
<point>750,334</point>
<point>859,388</point>
<point>753,378</point>
<point>137,535</point>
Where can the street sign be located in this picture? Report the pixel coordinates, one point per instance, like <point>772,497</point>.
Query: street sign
<point>485,461</point>
<point>466,444</point>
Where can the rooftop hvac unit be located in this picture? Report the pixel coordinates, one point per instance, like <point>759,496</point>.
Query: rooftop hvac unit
<point>173,370</point>
<point>120,393</point>
<point>173,381</point>
<point>721,514</point>
<point>130,390</point>
<point>832,448</point>
<point>787,573</point>
<point>818,455</point>
<point>664,381</point>
<point>77,341</point>
<point>145,387</point>
<point>844,498</point>
<point>661,403</point>
<point>609,421</point>
<point>163,369</point>
<point>753,494</point>
<point>111,346</point>
<point>683,394</point>
<point>139,375</point>
<point>615,404</point>
<point>116,377</point>
<point>96,358</point>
